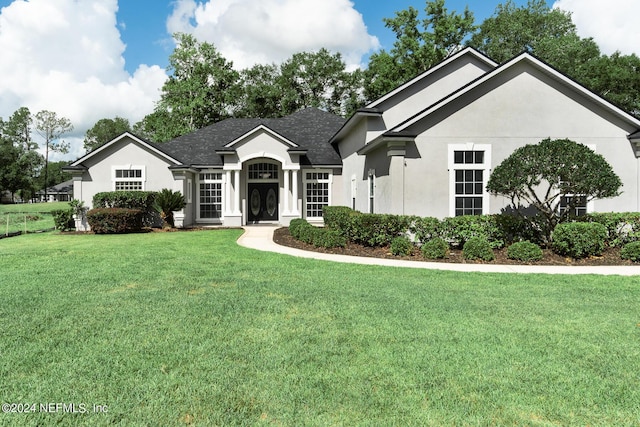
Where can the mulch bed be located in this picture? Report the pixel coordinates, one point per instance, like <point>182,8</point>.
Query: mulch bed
<point>611,256</point>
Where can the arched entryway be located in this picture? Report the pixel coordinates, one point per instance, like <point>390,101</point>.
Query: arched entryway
<point>263,189</point>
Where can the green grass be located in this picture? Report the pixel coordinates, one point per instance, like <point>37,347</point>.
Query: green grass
<point>28,216</point>
<point>189,328</point>
<point>33,207</point>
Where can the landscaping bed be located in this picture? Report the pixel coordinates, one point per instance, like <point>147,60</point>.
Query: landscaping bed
<point>611,256</point>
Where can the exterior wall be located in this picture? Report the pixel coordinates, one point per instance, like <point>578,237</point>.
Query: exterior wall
<point>99,174</point>
<point>354,170</point>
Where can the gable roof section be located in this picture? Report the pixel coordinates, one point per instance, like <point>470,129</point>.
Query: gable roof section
<point>308,129</point>
<point>531,61</point>
<point>155,148</point>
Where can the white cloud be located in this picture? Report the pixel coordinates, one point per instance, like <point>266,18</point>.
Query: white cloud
<point>248,32</point>
<point>66,56</point>
<point>612,24</point>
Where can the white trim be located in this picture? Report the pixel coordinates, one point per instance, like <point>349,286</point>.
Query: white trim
<point>223,190</point>
<point>485,167</point>
<point>371,191</point>
<point>142,180</point>
<point>118,138</point>
<point>261,128</point>
<point>305,181</point>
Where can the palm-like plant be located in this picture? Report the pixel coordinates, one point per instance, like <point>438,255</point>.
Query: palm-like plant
<point>166,202</point>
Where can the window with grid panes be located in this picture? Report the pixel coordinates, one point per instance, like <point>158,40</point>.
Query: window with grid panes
<point>469,182</point>
<point>210,196</point>
<point>317,186</point>
<point>128,180</point>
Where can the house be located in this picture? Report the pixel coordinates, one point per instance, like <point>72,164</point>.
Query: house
<point>426,148</point>
<point>62,192</point>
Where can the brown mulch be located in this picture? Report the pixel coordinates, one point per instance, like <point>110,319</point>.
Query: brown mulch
<point>611,256</point>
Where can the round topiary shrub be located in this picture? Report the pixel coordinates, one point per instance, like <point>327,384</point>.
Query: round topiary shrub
<point>435,249</point>
<point>401,246</point>
<point>524,251</point>
<point>477,248</point>
<point>631,251</point>
<point>579,239</point>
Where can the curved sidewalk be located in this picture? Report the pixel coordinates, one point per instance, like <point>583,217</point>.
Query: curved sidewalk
<point>260,237</point>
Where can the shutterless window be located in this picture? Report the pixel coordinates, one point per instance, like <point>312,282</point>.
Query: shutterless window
<point>210,195</point>
<point>579,205</point>
<point>469,182</point>
<point>128,180</point>
<point>317,185</point>
<point>261,171</point>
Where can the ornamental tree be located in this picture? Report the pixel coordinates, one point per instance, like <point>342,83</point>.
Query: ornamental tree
<point>540,175</point>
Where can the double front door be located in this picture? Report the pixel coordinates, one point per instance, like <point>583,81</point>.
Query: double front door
<point>263,202</point>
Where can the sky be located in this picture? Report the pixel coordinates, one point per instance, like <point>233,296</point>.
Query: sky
<point>93,59</point>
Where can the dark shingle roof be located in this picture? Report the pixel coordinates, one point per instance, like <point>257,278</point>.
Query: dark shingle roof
<point>310,129</point>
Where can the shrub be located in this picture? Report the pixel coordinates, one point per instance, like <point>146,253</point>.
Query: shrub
<point>631,251</point>
<point>478,248</point>
<point>339,218</point>
<point>460,229</point>
<point>524,251</point>
<point>401,246</point>
<point>426,228</point>
<point>435,248</point>
<point>328,238</point>
<point>142,200</point>
<point>295,225</point>
<point>621,228</point>
<point>579,239</point>
<point>377,229</point>
<point>166,202</point>
<point>63,219</point>
<point>516,228</point>
<point>115,220</point>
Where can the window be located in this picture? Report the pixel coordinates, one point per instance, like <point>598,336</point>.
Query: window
<point>128,178</point>
<point>318,192</point>
<point>210,196</point>
<point>579,205</point>
<point>263,171</point>
<point>469,173</point>
<point>372,191</point>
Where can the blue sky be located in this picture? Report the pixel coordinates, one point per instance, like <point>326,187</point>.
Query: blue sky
<point>93,59</point>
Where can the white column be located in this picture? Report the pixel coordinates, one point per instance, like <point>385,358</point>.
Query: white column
<point>236,182</point>
<point>227,193</point>
<point>286,191</point>
<point>295,193</point>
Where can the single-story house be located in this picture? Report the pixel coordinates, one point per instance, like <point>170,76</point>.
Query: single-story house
<point>62,192</point>
<point>426,148</point>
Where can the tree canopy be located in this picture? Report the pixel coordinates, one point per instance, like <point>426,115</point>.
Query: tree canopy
<point>104,130</point>
<point>540,175</point>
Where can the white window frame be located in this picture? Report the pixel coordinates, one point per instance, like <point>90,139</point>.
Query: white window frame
<point>305,180</point>
<point>354,191</point>
<point>485,167</point>
<point>589,207</point>
<point>222,182</point>
<point>142,179</point>
<point>371,191</point>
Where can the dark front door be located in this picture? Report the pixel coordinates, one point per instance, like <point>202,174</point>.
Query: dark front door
<point>263,202</point>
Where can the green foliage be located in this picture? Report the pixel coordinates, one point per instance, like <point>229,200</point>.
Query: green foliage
<point>631,251</point>
<point>579,239</point>
<point>339,218</point>
<point>166,202</point>
<point>539,175</point>
<point>125,199</point>
<point>327,238</point>
<point>621,228</point>
<point>115,220</point>
<point>51,127</point>
<point>426,228</point>
<point>524,251</point>
<point>296,225</point>
<point>478,248</point>
<point>401,246</point>
<point>435,248</point>
<point>460,229</point>
<point>378,229</point>
<point>104,131</point>
<point>63,219</point>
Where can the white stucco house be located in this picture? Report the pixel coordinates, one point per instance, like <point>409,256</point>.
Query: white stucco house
<point>427,148</point>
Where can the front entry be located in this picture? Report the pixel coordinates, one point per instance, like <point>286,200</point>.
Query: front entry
<point>263,202</point>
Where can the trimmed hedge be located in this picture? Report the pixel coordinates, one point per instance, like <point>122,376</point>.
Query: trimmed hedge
<point>579,239</point>
<point>401,246</point>
<point>524,251</point>
<point>435,249</point>
<point>301,230</point>
<point>478,248</point>
<point>115,220</point>
<point>631,251</point>
<point>460,229</point>
<point>142,200</point>
<point>622,228</point>
<point>426,229</point>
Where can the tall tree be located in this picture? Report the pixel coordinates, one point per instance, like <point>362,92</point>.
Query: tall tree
<point>202,89</point>
<point>18,129</point>
<point>51,127</point>
<point>617,78</point>
<point>104,131</point>
<point>261,95</point>
<point>419,45</point>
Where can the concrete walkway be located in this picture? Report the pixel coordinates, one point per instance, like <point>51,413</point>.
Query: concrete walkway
<point>260,237</point>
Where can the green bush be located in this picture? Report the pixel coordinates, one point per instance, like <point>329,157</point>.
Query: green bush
<point>327,238</point>
<point>295,225</point>
<point>307,233</point>
<point>435,248</point>
<point>401,246</point>
<point>115,220</point>
<point>460,229</point>
<point>63,219</point>
<point>426,228</point>
<point>516,228</point>
<point>631,251</point>
<point>378,229</point>
<point>579,239</point>
<point>621,228</point>
<point>339,218</point>
<point>478,248</point>
<point>143,200</point>
<point>524,251</point>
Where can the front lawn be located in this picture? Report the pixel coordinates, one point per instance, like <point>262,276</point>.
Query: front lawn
<point>189,328</point>
<point>28,217</point>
